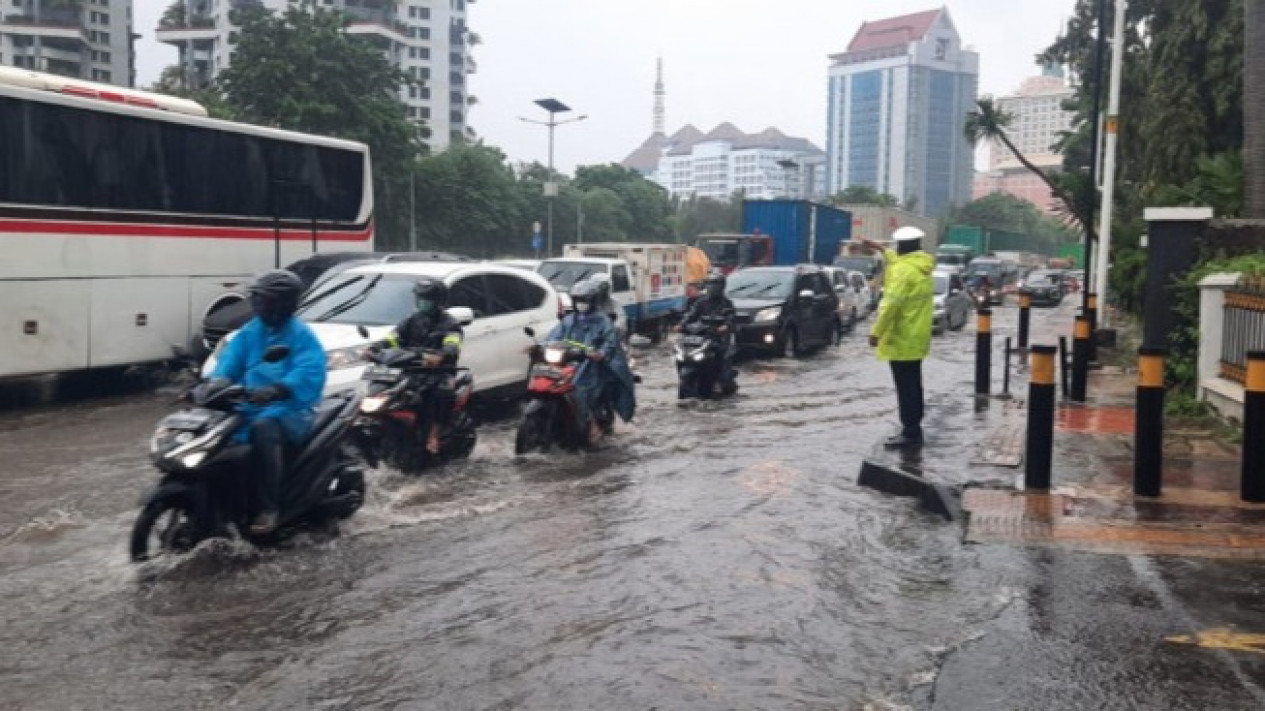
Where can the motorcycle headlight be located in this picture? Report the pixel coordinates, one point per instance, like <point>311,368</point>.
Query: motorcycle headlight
<point>554,356</point>
<point>341,358</point>
<point>678,352</point>
<point>769,314</point>
<point>699,354</point>
<point>190,461</point>
<point>373,404</point>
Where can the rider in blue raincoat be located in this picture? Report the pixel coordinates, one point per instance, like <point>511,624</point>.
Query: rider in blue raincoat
<point>283,395</point>
<point>606,374</point>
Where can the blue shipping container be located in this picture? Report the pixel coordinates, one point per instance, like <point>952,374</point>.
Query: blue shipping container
<point>797,226</point>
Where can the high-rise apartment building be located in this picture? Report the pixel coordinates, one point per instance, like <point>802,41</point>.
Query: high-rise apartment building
<point>1038,120</point>
<point>898,100</point>
<point>428,39</point>
<point>87,39</point>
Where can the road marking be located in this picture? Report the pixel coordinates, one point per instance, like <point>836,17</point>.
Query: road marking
<point>1223,638</point>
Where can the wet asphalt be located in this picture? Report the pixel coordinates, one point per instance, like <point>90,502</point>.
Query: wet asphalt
<point>711,556</point>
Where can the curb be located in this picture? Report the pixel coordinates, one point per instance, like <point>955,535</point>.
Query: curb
<point>934,498</point>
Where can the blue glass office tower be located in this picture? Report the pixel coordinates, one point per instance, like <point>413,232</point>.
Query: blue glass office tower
<point>898,100</point>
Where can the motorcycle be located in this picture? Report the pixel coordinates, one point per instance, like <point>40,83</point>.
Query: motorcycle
<point>208,480</point>
<point>388,429</point>
<point>700,355</point>
<point>552,413</point>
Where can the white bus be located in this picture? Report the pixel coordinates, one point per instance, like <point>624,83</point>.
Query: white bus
<point>126,215</point>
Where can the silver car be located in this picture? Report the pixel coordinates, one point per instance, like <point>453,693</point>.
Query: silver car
<point>953,305</point>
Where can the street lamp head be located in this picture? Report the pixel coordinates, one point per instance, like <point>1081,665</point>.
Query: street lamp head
<point>553,106</point>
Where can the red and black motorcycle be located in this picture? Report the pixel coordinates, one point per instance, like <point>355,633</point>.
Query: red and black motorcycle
<point>552,413</point>
<point>388,428</point>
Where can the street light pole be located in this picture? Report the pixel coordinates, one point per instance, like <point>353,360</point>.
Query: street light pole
<point>554,107</point>
<point>1109,160</point>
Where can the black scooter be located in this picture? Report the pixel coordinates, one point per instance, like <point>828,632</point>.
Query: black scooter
<point>208,486</point>
<point>388,429</point>
<point>700,357</point>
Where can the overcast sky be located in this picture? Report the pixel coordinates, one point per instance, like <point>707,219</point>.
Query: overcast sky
<point>755,63</point>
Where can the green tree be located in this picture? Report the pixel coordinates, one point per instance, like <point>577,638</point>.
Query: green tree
<point>863,195</point>
<point>467,201</point>
<point>696,216</point>
<point>1254,106</point>
<point>606,218</point>
<point>646,204</point>
<point>300,70</point>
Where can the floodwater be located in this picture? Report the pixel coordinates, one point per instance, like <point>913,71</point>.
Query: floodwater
<point>711,556</point>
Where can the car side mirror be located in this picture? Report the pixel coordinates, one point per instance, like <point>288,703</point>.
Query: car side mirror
<point>462,315</point>
<point>364,332</point>
<point>276,354</point>
<point>841,289</point>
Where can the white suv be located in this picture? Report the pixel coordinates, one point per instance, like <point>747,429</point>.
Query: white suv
<point>494,302</point>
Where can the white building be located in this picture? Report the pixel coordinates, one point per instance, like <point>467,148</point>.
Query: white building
<point>88,39</point>
<point>898,100</point>
<point>718,164</point>
<point>428,39</point>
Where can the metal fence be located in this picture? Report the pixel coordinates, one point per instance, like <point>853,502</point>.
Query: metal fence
<point>1244,327</point>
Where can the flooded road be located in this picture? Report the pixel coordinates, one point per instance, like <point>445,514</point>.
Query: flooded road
<point>712,555</point>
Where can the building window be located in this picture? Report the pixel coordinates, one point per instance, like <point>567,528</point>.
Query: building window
<point>100,75</point>
<point>423,112</point>
<point>424,73</point>
<point>423,13</point>
<point>423,52</point>
<point>423,33</point>
<point>412,52</point>
<point>412,92</point>
<point>424,93</point>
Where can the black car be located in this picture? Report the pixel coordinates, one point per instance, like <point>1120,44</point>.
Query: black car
<point>233,310</point>
<point>783,309</point>
<point>1046,288</point>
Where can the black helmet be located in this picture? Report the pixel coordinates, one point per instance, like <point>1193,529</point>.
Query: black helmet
<point>434,293</point>
<point>274,296</point>
<point>585,292</point>
<point>714,284</point>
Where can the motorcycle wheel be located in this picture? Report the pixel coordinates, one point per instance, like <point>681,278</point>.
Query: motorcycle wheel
<point>533,432</point>
<point>464,437</point>
<point>351,485</point>
<point>165,525</point>
<point>687,387</point>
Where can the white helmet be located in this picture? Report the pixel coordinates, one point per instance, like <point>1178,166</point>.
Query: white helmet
<point>908,234</point>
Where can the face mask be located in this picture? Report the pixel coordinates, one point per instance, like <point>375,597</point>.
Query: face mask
<point>425,306</point>
<point>582,307</point>
<point>268,311</point>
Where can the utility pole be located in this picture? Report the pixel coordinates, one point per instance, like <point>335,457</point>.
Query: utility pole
<point>1109,159</point>
<point>412,210</point>
<point>1095,126</point>
<point>554,107</point>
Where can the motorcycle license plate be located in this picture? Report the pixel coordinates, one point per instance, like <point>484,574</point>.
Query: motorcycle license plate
<point>546,371</point>
<point>382,373</point>
<point>693,340</point>
<point>190,420</point>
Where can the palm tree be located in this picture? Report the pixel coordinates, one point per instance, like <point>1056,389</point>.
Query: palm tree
<point>988,123</point>
<point>1254,107</point>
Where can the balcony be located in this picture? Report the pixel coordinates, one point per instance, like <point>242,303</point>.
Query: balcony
<point>389,30</point>
<point>53,25</point>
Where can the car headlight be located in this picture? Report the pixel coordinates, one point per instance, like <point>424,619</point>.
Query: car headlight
<point>341,358</point>
<point>769,314</point>
<point>373,404</point>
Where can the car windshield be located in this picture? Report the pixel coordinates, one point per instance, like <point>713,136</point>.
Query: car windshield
<point>564,275</point>
<point>1043,278</point>
<point>755,284</point>
<point>941,284</point>
<point>990,270</point>
<point>385,303</point>
<point>865,265</point>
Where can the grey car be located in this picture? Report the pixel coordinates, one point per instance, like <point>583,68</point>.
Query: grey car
<point>953,305</point>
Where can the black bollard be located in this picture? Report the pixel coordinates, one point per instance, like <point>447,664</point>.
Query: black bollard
<point>1005,371</point>
<point>1080,358</point>
<point>1253,474</point>
<point>1064,371</point>
<point>1040,442</point>
<point>1148,437</point>
<point>984,352</point>
<point>1091,314</point>
<point>1025,318</point>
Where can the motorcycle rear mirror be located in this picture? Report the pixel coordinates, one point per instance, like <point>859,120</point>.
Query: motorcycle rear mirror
<point>462,315</point>
<point>531,332</point>
<point>275,354</point>
<point>364,332</point>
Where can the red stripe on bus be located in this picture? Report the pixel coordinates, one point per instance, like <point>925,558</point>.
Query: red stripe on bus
<point>114,229</point>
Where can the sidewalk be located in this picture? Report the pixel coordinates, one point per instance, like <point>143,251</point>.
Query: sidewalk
<point>1092,506</point>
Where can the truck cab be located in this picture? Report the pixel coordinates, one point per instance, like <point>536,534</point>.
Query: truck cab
<point>730,252</point>
<point>647,280</point>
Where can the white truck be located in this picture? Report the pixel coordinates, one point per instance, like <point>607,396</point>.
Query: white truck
<point>647,280</point>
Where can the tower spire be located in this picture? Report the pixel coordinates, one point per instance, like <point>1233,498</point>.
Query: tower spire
<point>659,94</point>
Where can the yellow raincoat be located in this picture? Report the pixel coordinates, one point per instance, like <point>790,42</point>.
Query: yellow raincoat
<point>696,265</point>
<point>903,326</point>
